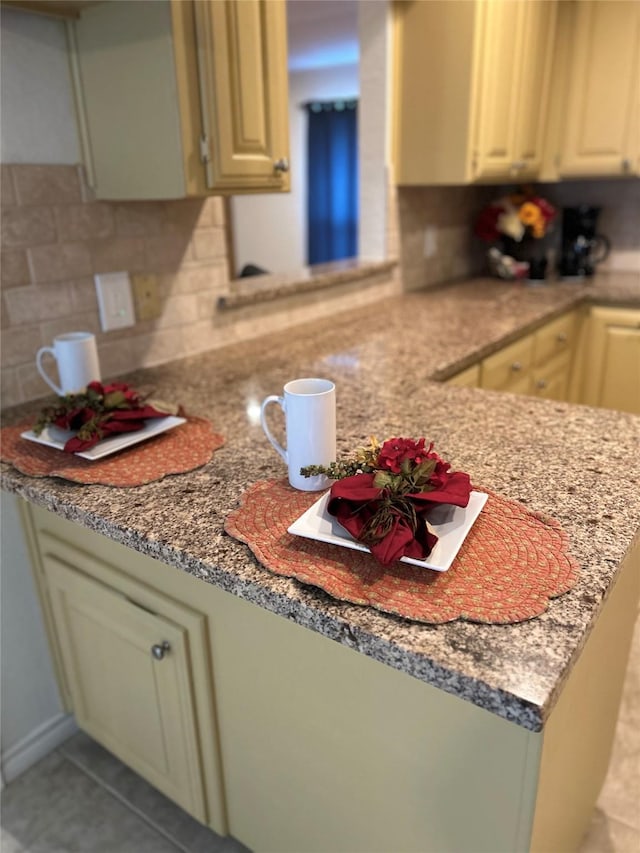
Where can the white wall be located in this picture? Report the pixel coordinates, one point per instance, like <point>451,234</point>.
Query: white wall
<point>271,230</point>
<point>34,73</point>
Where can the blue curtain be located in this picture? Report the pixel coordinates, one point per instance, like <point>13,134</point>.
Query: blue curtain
<point>332,181</point>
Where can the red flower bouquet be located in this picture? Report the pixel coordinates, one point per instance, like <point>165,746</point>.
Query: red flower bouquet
<point>97,412</point>
<point>383,494</point>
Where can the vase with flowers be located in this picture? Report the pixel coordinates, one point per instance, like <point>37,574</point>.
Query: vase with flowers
<point>516,226</point>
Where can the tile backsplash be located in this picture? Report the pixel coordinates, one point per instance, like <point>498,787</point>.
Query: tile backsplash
<point>55,238</point>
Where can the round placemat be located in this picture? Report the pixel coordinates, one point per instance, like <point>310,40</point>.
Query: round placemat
<point>177,451</point>
<point>509,566</point>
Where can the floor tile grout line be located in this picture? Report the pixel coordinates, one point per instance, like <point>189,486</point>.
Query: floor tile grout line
<point>121,799</point>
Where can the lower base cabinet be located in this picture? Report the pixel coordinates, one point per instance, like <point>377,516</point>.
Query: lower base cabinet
<point>311,745</point>
<point>612,360</point>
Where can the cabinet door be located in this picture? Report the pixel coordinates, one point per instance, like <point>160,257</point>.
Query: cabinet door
<point>612,369</point>
<point>536,55</point>
<point>136,703</point>
<point>498,43</point>
<point>601,115</point>
<point>513,68</point>
<point>242,50</point>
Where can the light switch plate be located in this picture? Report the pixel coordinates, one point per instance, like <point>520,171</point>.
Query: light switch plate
<point>114,300</point>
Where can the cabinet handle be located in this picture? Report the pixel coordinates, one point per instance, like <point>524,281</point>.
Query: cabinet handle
<point>160,649</point>
<point>626,165</point>
<point>281,165</point>
<point>517,166</point>
<point>541,383</point>
<point>562,338</point>
<point>516,366</point>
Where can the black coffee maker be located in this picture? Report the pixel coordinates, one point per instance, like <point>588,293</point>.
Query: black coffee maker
<point>581,247</point>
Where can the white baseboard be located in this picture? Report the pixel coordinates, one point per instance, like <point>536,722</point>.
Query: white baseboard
<point>36,745</point>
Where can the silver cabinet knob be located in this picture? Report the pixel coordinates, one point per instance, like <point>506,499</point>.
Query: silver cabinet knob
<point>541,383</point>
<point>281,165</point>
<point>561,338</point>
<point>160,649</point>
<point>626,165</point>
<point>516,366</point>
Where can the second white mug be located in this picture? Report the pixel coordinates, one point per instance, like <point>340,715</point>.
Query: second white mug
<point>309,407</point>
<point>76,356</point>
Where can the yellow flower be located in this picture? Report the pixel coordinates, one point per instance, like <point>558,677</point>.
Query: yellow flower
<point>530,214</point>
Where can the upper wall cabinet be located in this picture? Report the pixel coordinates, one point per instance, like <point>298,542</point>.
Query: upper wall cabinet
<point>600,127</point>
<point>184,97</point>
<point>472,84</point>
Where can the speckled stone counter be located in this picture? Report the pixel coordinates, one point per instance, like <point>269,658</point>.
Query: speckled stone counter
<point>580,465</point>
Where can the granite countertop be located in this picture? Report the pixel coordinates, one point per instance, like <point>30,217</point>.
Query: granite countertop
<point>556,458</point>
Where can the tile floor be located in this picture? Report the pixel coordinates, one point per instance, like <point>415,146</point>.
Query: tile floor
<point>80,799</point>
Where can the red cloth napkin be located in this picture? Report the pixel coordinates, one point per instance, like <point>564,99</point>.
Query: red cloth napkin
<point>129,418</point>
<point>355,500</point>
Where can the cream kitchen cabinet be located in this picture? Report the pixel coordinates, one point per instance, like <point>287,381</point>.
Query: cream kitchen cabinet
<point>472,86</point>
<point>469,378</point>
<point>133,661</point>
<point>538,364</point>
<point>611,371</point>
<point>183,97</point>
<point>600,126</point>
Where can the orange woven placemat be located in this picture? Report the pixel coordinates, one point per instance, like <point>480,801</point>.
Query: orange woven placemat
<point>182,449</point>
<point>511,563</point>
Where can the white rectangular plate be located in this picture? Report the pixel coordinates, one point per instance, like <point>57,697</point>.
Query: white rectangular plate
<point>53,436</point>
<point>451,524</point>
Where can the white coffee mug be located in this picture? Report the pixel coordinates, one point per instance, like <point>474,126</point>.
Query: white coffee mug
<point>309,406</point>
<point>76,356</point>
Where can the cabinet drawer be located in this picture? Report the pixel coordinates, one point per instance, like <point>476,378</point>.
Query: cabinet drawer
<point>556,337</point>
<point>552,380</point>
<point>469,378</point>
<point>509,367</point>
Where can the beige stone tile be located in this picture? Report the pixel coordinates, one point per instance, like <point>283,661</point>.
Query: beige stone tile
<point>162,346</point>
<point>59,261</point>
<point>620,795</point>
<point>46,184</point>
<point>7,194</point>
<point>31,385</point>
<point>19,345</point>
<point>84,322</point>
<point>27,226</point>
<point>118,254</point>
<point>206,305</point>
<point>211,278</point>
<point>608,835</point>
<point>178,310</point>
<point>83,295</point>
<point>209,243</point>
<point>84,221</point>
<point>32,304</point>
<point>14,269</point>
<point>139,218</point>
<point>9,388</point>
<point>117,357</point>
<point>213,211</point>
<point>184,215</point>
<point>167,253</point>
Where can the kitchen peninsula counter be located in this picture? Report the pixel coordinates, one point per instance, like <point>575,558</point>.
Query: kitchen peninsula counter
<point>577,464</point>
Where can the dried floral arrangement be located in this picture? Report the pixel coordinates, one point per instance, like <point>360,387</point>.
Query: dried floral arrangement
<point>100,411</point>
<point>383,493</point>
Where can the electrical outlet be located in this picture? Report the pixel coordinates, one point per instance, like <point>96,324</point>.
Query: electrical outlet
<point>114,300</point>
<point>146,296</point>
